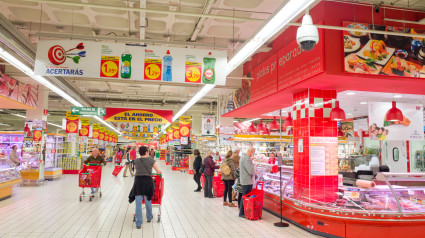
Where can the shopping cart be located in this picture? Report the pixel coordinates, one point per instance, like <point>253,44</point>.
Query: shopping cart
<point>157,195</point>
<point>90,177</point>
<point>117,170</point>
<point>253,203</point>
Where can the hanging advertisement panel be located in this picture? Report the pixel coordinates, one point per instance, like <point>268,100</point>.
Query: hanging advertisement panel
<point>208,124</point>
<point>96,131</point>
<point>122,61</point>
<point>137,117</point>
<point>85,127</point>
<point>71,123</point>
<point>185,122</point>
<point>176,130</point>
<point>411,128</point>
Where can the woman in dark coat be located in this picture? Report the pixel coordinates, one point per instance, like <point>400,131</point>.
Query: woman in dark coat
<point>209,173</point>
<point>196,166</point>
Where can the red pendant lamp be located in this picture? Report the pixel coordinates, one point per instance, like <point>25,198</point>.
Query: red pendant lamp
<point>289,122</point>
<point>252,128</point>
<point>337,114</point>
<point>261,127</point>
<point>394,114</point>
<point>27,129</point>
<point>274,125</point>
<point>266,131</point>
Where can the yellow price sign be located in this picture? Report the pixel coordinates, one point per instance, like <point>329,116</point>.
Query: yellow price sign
<point>184,131</point>
<point>153,69</point>
<point>193,74</point>
<point>109,67</point>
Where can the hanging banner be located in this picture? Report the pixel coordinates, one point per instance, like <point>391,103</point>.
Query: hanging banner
<point>208,124</point>
<point>96,131</point>
<point>102,133</point>
<point>38,135</point>
<point>411,128</point>
<point>71,123</point>
<point>106,138</point>
<point>138,116</point>
<point>70,58</point>
<point>185,126</point>
<point>176,130</point>
<point>170,133</point>
<point>85,127</point>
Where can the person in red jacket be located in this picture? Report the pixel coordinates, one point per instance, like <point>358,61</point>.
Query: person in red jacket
<point>209,173</point>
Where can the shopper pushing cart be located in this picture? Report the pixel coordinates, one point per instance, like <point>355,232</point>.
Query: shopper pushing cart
<point>144,185</point>
<point>90,175</point>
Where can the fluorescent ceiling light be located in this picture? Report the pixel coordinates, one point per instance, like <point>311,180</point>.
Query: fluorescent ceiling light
<point>398,96</point>
<point>22,67</point>
<point>107,124</point>
<point>19,115</point>
<point>193,100</point>
<point>349,114</point>
<point>253,120</point>
<point>54,124</point>
<point>351,93</point>
<point>3,124</point>
<point>363,103</point>
<point>275,24</point>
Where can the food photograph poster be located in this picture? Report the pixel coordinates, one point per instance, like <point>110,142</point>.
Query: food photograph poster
<point>411,128</point>
<point>383,54</point>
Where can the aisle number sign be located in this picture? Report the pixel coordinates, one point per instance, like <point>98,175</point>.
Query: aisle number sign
<point>185,126</point>
<point>71,123</point>
<point>153,69</point>
<point>193,72</point>
<point>96,131</point>
<point>85,127</point>
<point>109,66</point>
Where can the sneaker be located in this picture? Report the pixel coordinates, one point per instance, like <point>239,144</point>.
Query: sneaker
<point>197,190</point>
<point>232,205</point>
<point>225,204</point>
<point>138,227</point>
<point>149,220</point>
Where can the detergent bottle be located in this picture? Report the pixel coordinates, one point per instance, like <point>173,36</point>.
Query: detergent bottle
<point>126,65</point>
<point>208,76</point>
<point>168,62</point>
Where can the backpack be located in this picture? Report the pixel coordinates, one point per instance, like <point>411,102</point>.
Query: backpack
<point>225,169</point>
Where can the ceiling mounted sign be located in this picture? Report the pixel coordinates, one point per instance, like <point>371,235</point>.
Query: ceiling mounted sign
<point>138,115</point>
<point>121,61</point>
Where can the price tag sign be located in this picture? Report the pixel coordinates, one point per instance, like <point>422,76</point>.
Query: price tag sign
<point>109,66</point>
<point>193,72</point>
<point>153,69</point>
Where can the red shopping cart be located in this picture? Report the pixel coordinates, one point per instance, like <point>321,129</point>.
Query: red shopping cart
<point>253,203</point>
<point>157,195</point>
<point>117,170</point>
<point>90,177</point>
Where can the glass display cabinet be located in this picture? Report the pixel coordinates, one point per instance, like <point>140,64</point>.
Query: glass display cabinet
<point>9,176</point>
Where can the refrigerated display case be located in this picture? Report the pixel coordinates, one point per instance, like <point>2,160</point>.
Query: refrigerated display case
<point>32,164</point>
<point>54,156</point>
<point>9,176</point>
<point>10,138</point>
<point>395,207</point>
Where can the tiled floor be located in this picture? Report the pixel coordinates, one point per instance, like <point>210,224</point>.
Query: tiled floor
<point>54,210</point>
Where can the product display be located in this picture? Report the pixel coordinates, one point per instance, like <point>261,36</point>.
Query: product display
<point>8,139</point>
<point>9,176</point>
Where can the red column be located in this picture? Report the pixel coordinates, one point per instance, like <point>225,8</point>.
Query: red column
<point>315,146</point>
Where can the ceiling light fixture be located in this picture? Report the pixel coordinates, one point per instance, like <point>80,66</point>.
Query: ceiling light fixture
<point>3,124</point>
<point>261,127</point>
<point>394,114</point>
<point>252,120</point>
<point>274,125</point>
<point>398,96</point>
<point>252,128</point>
<point>363,103</point>
<point>337,114</point>
<point>54,124</point>
<point>351,93</point>
<point>269,29</point>
<point>107,124</point>
<point>289,122</point>
<point>19,115</point>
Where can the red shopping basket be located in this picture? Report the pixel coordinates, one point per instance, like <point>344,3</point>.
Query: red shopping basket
<point>253,203</point>
<point>202,180</point>
<point>218,187</point>
<point>117,170</point>
<point>89,176</point>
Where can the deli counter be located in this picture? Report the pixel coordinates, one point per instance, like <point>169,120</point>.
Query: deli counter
<point>9,176</point>
<point>394,207</point>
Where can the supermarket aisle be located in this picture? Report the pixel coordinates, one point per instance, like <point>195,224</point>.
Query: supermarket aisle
<point>55,211</point>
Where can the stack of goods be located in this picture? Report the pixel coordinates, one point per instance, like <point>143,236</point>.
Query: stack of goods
<point>71,163</point>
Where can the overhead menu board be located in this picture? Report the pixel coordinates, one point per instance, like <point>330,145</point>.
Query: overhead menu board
<point>121,61</point>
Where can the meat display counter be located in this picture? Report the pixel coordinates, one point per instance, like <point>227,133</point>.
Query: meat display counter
<point>9,176</point>
<point>394,207</point>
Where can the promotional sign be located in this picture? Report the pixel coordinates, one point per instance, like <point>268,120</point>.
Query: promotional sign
<point>170,133</point>
<point>71,137</point>
<point>17,91</point>
<point>185,126</point>
<point>96,131</point>
<point>122,61</point>
<point>138,115</point>
<point>265,79</point>
<point>85,127</point>
<point>296,65</point>
<point>106,138</point>
<point>411,128</point>
<point>38,135</point>
<point>184,140</point>
<point>360,124</point>
<point>176,130</point>
<point>71,123</point>
<point>324,156</point>
<point>102,133</point>
<point>379,54</point>
<point>208,124</point>
<point>236,99</point>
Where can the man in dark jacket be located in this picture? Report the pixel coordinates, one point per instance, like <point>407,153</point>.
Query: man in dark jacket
<point>209,173</point>
<point>196,167</point>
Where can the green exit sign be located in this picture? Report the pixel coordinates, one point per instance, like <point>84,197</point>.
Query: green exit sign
<point>88,111</point>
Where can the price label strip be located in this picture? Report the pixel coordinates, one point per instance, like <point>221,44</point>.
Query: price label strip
<point>193,72</point>
<point>153,69</point>
<point>109,66</point>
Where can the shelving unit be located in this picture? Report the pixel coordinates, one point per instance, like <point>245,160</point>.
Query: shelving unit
<point>54,156</point>
<point>10,138</point>
<point>32,166</point>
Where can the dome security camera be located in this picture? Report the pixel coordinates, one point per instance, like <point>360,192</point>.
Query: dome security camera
<point>307,34</point>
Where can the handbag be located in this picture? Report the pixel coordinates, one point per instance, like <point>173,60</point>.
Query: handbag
<point>153,181</point>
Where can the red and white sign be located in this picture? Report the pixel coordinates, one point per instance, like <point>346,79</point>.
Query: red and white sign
<point>265,79</point>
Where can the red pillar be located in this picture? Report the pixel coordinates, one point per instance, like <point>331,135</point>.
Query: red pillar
<point>315,146</point>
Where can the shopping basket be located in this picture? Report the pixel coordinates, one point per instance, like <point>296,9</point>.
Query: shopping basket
<point>157,195</point>
<point>253,203</point>
<point>117,170</point>
<point>218,186</point>
<point>90,177</point>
